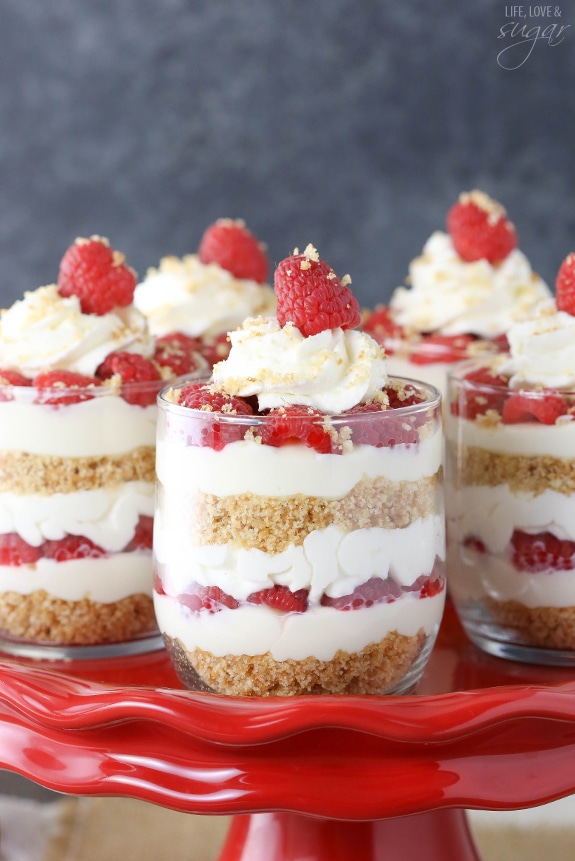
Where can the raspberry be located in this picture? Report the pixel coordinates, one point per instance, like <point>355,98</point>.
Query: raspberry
<point>382,327</point>
<point>143,536</point>
<point>214,433</point>
<point>280,598</point>
<point>488,392</point>
<point>565,285</point>
<point>524,407</point>
<point>311,296</point>
<point>369,593</point>
<point>215,349</point>
<point>15,551</point>
<point>542,552</point>
<point>97,275</point>
<point>72,547</point>
<point>230,244</point>
<point>132,369</point>
<point>62,388</point>
<point>383,433</point>
<point>296,424</point>
<point>210,598</point>
<point>480,229</point>
<point>441,348</point>
<point>472,542</point>
<point>8,379</point>
<point>428,587</point>
<point>178,352</point>
<point>404,395</point>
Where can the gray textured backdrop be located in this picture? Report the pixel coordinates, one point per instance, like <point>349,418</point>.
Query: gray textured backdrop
<point>353,124</point>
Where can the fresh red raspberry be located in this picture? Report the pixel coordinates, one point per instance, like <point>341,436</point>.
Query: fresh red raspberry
<point>216,349</point>
<point>565,285</point>
<point>382,327</point>
<point>210,598</point>
<point>488,392</point>
<point>230,244</point>
<point>386,433</point>
<point>542,552</point>
<point>441,348</point>
<point>280,598</point>
<point>62,388</point>
<point>213,432</point>
<point>369,593</point>
<point>9,378</point>
<point>178,352</point>
<point>140,377</point>
<point>523,407</point>
<point>311,296</point>
<point>143,536</point>
<point>97,275</point>
<point>290,424</point>
<point>403,396</point>
<point>72,547</point>
<point>15,551</point>
<point>480,229</point>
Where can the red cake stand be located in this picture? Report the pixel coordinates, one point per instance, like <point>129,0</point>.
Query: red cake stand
<point>309,778</point>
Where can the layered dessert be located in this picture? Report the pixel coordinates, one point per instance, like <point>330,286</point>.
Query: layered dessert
<point>511,469</point>
<point>192,302</point>
<point>78,383</point>
<point>464,291</point>
<point>299,532</point>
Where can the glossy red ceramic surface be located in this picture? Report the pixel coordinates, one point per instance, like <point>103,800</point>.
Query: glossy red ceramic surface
<point>479,732</point>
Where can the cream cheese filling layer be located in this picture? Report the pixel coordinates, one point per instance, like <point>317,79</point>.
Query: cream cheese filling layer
<point>523,439</point>
<point>247,467</point>
<point>105,580</point>
<point>107,516</point>
<point>493,513</point>
<point>474,576</point>
<point>319,633</point>
<point>329,561</point>
<point>104,425</point>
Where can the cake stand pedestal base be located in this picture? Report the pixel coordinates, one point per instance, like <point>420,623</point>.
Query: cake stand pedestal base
<point>440,835</point>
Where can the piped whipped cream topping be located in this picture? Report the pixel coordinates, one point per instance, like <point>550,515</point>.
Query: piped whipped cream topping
<point>186,295</point>
<point>47,331</point>
<point>542,350</point>
<point>331,371</point>
<point>453,297</point>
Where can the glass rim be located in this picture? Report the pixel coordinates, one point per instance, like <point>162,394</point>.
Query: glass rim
<point>432,401</point>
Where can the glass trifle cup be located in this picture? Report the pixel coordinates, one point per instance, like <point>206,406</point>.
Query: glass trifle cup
<point>304,564</point>
<point>76,508</point>
<point>510,503</point>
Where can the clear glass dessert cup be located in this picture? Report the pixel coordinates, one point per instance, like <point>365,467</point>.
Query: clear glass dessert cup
<point>510,504</point>
<point>77,483</point>
<point>287,569</point>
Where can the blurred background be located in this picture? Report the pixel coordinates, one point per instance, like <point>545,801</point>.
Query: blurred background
<point>352,125</point>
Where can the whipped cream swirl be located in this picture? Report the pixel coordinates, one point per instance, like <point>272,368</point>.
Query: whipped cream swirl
<point>331,371</point>
<point>542,351</point>
<point>186,295</point>
<point>46,331</point>
<point>453,297</point>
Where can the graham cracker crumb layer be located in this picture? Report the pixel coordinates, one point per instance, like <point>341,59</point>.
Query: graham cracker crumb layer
<point>529,474</point>
<point>374,670</point>
<point>546,627</point>
<point>273,523</point>
<point>25,473</point>
<point>42,618</point>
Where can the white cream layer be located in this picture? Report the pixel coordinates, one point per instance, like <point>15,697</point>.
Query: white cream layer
<point>493,513</point>
<point>104,425</point>
<point>529,438</point>
<point>246,467</point>
<point>329,560</point>
<point>473,576</point>
<point>256,630</point>
<point>106,579</point>
<point>107,516</point>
